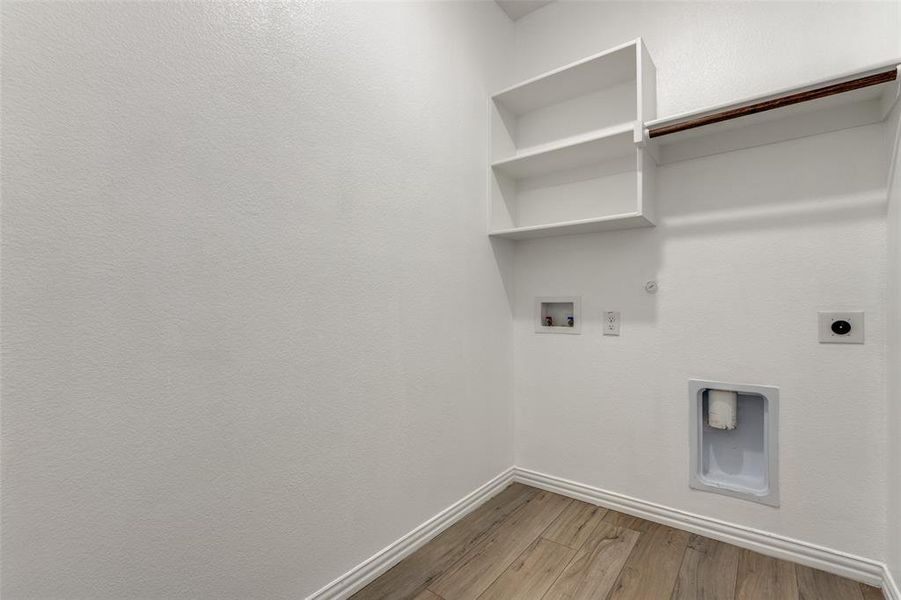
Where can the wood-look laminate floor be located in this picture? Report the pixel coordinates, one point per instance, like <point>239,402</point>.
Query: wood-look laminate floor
<point>530,544</point>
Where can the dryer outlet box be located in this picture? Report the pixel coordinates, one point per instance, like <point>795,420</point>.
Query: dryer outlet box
<point>841,327</point>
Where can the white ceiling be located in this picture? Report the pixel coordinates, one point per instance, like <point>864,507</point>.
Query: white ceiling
<point>516,9</point>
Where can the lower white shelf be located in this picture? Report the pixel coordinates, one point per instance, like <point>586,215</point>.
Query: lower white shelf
<point>612,193</point>
<point>609,223</point>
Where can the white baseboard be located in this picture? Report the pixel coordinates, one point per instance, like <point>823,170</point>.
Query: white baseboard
<point>371,568</point>
<point>889,586</point>
<point>843,564</point>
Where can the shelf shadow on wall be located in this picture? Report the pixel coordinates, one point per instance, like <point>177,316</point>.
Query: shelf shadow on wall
<point>504,252</point>
<point>837,177</point>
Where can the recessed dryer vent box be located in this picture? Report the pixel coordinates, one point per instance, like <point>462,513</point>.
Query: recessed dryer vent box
<point>742,462</point>
<point>558,314</point>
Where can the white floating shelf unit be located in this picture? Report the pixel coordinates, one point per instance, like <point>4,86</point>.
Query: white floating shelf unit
<point>566,148</point>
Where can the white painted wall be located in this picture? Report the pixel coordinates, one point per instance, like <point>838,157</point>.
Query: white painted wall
<point>750,246</point>
<point>204,395</point>
<point>709,53</point>
<point>893,360</point>
<point>253,329</point>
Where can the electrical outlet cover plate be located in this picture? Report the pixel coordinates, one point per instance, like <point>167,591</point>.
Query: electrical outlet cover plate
<point>827,336</point>
<point>612,321</point>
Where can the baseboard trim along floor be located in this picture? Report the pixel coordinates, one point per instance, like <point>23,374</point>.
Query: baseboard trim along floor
<point>377,564</point>
<point>833,561</point>
<point>845,565</point>
<point>890,587</point>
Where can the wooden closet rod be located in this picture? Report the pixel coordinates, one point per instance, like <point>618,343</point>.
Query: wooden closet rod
<point>757,107</point>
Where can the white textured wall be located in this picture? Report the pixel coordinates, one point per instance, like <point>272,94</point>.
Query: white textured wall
<point>709,53</point>
<point>893,359</point>
<point>253,330</point>
<point>750,246</point>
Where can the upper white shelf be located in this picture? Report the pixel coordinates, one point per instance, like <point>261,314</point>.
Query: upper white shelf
<point>570,153</point>
<point>596,93</point>
<point>606,69</point>
<point>817,107</point>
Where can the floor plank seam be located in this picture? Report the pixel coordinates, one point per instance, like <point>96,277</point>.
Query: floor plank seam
<point>560,574</point>
<point>525,550</point>
<point>616,582</point>
<point>567,546</point>
<point>679,572</point>
<point>541,537</point>
<point>475,553</point>
<point>735,585</point>
<point>504,570</point>
<point>575,552</point>
<point>465,558</point>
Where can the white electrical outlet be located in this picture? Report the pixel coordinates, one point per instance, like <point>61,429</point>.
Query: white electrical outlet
<point>612,321</point>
